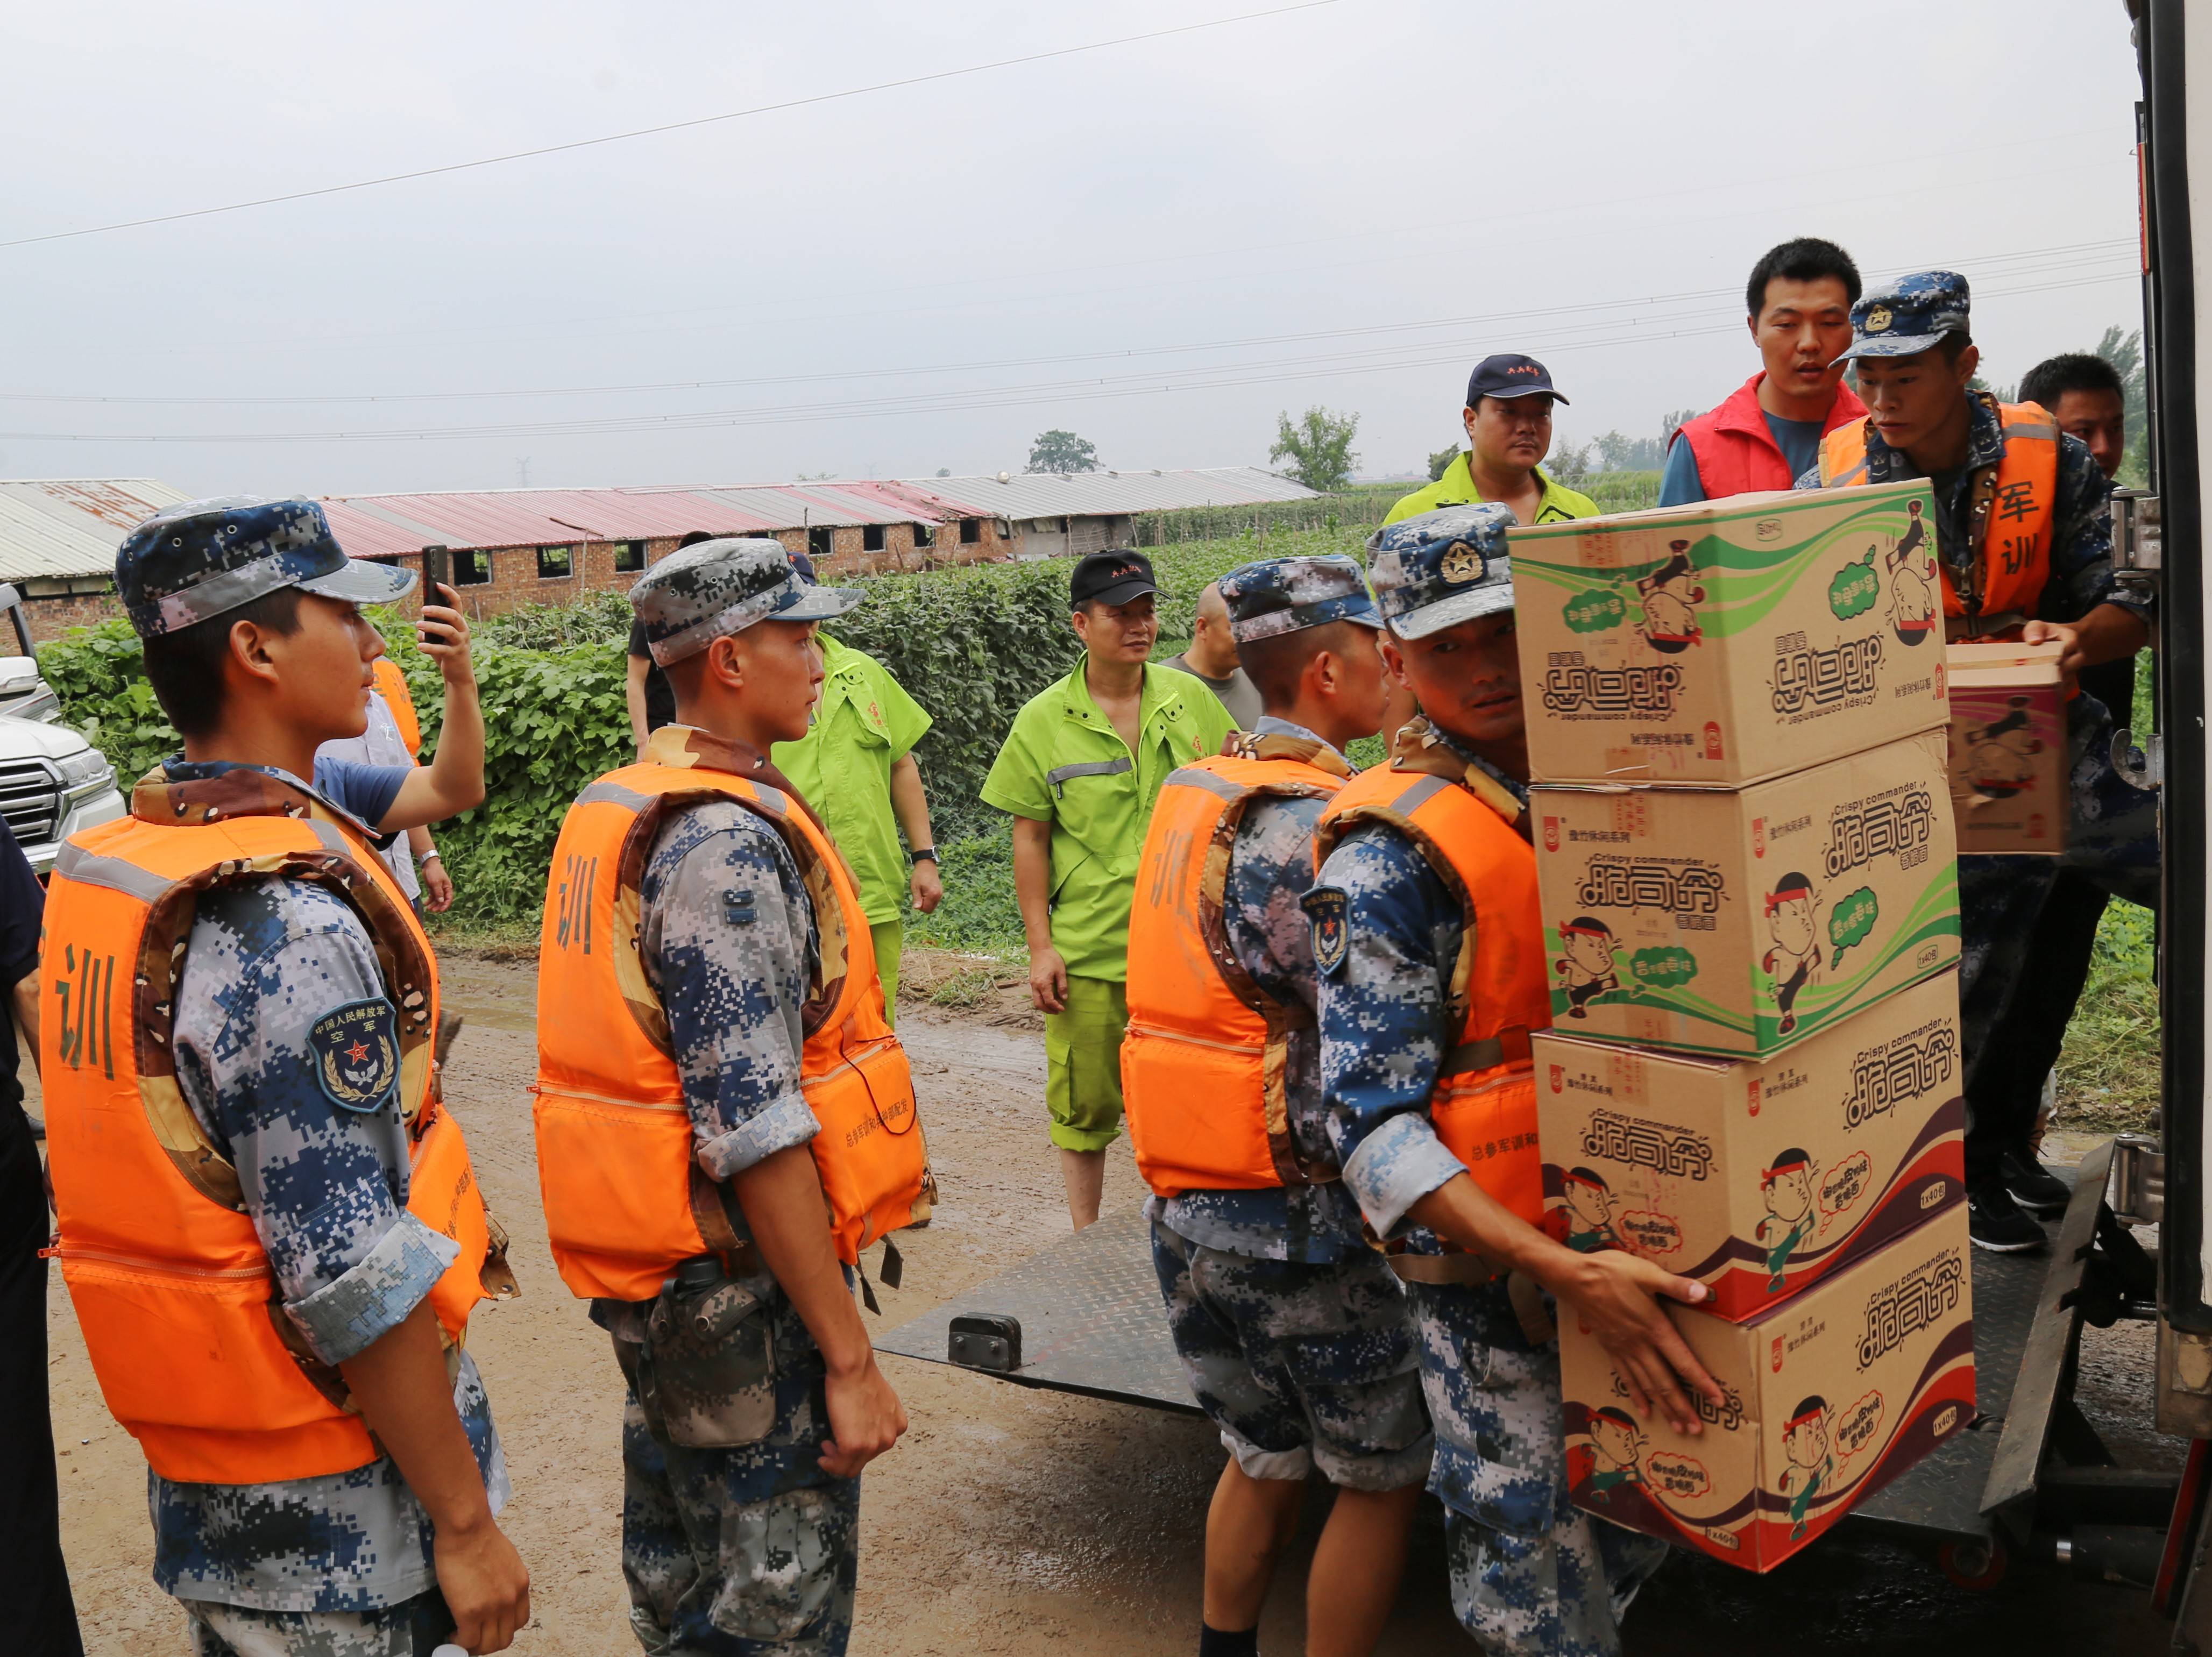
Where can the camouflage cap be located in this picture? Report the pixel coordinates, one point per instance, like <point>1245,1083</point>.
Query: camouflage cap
<point>699,592</point>
<point>199,559</point>
<point>1275,596</point>
<point>1442,567</point>
<point>1910,315</point>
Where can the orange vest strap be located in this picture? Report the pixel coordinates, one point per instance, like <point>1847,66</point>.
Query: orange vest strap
<point>74,862</point>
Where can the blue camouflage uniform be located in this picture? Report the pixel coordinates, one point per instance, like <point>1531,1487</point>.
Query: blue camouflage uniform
<point>2112,837</point>
<point>345,1557</point>
<point>1295,1336</point>
<point>1530,1573</point>
<point>339,1565</point>
<point>752,1549</point>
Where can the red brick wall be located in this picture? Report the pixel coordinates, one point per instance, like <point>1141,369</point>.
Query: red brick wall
<point>514,577</point>
<point>49,619</point>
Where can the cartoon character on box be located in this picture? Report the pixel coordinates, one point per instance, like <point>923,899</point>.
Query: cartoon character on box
<point>1586,962</point>
<point>1590,1212</point>
<point>1671,595</point>
<point>2000,756</point>
<point>1787,1185</point>
<point>1616,1450</point>
<point>1805,1440</point>
<point>1913,600</point>
<point>1796,952</point>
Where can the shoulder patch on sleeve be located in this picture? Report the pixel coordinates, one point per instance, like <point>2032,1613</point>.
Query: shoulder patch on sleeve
<point>1326,908</point>
<point>355,1052</point>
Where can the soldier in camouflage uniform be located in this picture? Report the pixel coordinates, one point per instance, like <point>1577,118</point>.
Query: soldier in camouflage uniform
<point>1912,343</point>
<point>1530,1574</point>
<point>751,1549</point>
<point>1295,1336</point>
<point>386,1559</point>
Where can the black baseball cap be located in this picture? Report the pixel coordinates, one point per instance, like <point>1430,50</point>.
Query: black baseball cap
<point>1112,577</point>
<point>1509,374</point>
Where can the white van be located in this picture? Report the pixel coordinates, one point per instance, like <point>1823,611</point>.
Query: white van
<point>53,781</point>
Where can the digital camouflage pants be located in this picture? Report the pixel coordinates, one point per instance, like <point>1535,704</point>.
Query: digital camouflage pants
<point>751,1551</point>
<point>414,1628</point>
<point>1299,1366</point>
<point>1531,1576</point>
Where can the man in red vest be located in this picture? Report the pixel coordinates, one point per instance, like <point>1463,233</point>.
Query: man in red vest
<point>1799,310</point>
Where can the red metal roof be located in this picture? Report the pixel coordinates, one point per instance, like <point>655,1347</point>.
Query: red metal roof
<point>378,525</point>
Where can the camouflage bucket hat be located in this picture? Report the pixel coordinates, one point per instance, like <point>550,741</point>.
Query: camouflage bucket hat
<point>1910,315</point>
<point>1442,567</point>
<point>189,562</point>
<point>1286,595</point>
<point>695,596</point>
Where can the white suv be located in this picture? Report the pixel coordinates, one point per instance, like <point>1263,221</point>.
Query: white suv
<point>53,782</point>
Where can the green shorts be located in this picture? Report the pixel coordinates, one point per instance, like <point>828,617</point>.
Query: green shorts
<point>1083,1064</point>
<point>889,935</point>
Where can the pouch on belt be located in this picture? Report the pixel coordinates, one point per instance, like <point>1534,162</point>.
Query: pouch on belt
<point>706,1375</point>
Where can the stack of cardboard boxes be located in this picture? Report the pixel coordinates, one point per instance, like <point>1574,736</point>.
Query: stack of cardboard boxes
<point>1746,859</point>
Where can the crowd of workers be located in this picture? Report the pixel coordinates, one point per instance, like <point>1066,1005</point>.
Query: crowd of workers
<point>1308,987</point>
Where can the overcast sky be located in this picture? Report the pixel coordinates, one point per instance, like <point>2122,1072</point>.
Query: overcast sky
<point>1157,245</point>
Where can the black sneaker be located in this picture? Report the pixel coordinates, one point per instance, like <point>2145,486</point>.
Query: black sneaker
<point>2033,1185</point>
<point>1995,1222</point>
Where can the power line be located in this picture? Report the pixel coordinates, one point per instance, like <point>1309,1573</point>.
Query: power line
<point>1422,354</point>
<point>2046,259</point>
<point>670,126</point>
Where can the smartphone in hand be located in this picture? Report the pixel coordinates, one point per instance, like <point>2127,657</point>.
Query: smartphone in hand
<point>437,572</point>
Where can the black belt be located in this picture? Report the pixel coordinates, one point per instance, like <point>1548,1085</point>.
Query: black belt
<point>1961,629</point>
<point>1509,1047</point>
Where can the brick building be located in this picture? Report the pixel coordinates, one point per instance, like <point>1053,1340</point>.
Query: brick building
<point>510,547</point>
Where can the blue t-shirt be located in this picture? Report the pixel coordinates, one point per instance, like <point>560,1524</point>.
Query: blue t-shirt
<point>1798,439</point>
<point>366,791</point>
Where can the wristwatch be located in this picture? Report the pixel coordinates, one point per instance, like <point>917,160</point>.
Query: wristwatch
<point>432,853</point>
<point>929,851</point>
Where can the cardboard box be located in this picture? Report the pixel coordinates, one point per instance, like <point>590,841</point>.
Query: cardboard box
<point>1715,643</point>
<point>2009,786</point>
<point>1831,1395</point>
<point>1740,922</point>
<point>1758,1177</point>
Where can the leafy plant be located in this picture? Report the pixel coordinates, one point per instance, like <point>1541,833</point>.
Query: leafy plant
<point>1568,462</point>
<point>1057,451</point>
<point>1440,462</point>
<point>972,645</point>
<point>2109,1068</point>
<point>1318,447</point>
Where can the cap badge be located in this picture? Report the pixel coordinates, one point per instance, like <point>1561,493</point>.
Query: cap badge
<point>1877,319</point>
<point>1462,563</point>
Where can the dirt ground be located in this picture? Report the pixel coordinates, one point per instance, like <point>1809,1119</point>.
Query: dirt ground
<point>1009,1519</point>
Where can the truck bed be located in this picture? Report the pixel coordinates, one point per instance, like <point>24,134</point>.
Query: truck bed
<point>1092,1323</point>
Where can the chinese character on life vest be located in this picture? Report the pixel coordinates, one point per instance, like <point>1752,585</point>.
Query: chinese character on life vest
<point>2017,501</point>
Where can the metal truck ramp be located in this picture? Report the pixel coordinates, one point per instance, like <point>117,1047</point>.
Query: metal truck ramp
<point>1090,1316</point>
<point>1092,1323</point>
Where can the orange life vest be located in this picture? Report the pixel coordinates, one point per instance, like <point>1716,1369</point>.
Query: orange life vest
<point>194,1354</point>
<point>2016,506</point>
<point>625,1200</point>
<point>392,685</point>
<point>1484,1104</point>
<point>1202,1062</point>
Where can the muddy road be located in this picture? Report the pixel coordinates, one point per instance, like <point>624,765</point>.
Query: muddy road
<point>1010,1521</point>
